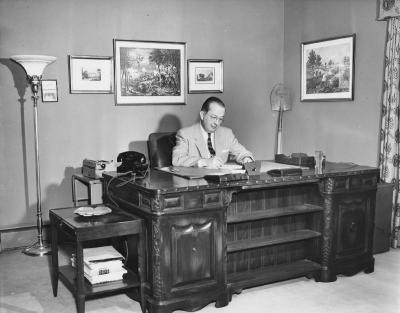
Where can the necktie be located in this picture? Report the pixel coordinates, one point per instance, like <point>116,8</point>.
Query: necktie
<point>209,145</point>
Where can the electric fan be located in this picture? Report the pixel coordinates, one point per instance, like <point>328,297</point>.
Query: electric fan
<point>281,101</point>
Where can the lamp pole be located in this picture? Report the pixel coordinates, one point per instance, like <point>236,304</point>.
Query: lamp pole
<point>39,248</point>
<point>278,139</point>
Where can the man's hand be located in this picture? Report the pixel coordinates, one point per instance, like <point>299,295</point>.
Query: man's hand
<point>247,160</point>
<point>214,162</point>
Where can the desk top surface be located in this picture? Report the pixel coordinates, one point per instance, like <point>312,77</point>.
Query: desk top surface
<point>164,182</point>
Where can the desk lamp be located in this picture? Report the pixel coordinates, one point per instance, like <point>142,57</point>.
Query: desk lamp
<point>34,66</point>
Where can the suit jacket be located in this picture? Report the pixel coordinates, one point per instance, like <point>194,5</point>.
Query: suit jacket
<point>191,146</point>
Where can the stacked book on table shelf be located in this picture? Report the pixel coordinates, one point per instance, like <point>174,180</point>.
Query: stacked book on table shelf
<point>102,264</point>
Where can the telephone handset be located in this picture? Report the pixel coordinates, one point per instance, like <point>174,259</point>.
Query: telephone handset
<point>132,161</point>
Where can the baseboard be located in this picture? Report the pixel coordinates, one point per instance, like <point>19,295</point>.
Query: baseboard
<point>20,236</point>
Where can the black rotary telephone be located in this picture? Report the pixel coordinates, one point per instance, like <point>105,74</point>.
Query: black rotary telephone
<point>132,161</point>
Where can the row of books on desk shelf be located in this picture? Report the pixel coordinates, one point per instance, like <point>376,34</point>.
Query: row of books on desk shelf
<point>102,264</point>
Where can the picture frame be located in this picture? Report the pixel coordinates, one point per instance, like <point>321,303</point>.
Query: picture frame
<point>149,72</point>
<point>387,9</point>
<point>205,76</point>
<point>327,69</point>
<point>90,74</point>
<point>49,90</point>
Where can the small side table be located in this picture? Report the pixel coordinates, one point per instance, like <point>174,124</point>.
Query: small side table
<point>82,229</point>
<point>94,189</point>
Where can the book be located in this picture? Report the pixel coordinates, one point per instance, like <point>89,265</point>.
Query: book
<point>101,254</point>
<point>99,279</point>
<point>100,268</point>
<point>109,264</point>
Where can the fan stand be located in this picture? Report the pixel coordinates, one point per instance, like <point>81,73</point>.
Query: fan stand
<point>280,101</point>
<point>278,140</point>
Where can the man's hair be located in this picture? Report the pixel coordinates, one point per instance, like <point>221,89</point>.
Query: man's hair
<point>206,105</point>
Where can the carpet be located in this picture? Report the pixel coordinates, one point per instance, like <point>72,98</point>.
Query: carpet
<point>20,303</point>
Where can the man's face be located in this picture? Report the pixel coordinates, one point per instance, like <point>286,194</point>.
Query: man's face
<point>213,118</point>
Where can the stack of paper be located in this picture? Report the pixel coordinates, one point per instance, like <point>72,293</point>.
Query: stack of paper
<point>102,264</point>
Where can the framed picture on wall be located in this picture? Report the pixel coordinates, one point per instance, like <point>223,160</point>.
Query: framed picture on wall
<point>205,76</point>
<point>90,74</point>
<point>388,9</point>
<point>327,69</point>
<point>149,72</point>
<point>49,90</point>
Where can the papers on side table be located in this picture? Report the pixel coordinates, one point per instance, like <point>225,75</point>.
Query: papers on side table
<point>90,211</point>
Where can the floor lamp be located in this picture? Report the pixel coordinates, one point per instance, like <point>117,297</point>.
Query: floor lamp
<point>34,66</point>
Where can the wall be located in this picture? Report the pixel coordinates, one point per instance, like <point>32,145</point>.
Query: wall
<point>344,130</point>
<point>247,35</point>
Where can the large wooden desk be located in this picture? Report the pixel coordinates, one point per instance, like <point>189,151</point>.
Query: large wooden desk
<point>206,241</point>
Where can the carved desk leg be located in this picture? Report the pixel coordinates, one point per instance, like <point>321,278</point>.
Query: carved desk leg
<point>156,268</point>
<point>327,274</point>
<point>225,298</point>
<point>326,188</point>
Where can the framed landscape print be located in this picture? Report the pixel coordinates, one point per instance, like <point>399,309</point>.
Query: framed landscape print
<point>327,69</point>
<point>149,72</point>
<point>205,76</point>
<point>388,9</point>
<point>90,74</point>
<point>49,90</point>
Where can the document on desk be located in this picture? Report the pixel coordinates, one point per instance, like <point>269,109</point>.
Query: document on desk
<point>200,172</point>
<point>265,166</point>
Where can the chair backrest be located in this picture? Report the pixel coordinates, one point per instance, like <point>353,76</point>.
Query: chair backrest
<point>160,148</point>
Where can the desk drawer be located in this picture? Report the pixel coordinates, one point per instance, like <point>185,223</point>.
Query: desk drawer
<point>351,183</point>
<point>185,201</point>
<point>63,227</point>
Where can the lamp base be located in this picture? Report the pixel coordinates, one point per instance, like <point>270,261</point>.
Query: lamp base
<point>37,249</point>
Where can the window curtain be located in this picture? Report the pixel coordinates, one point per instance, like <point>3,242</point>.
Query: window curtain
<point>389,160</point>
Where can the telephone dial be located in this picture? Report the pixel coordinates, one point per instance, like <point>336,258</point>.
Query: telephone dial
<point>132,161</point>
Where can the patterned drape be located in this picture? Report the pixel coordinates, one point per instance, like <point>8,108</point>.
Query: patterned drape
<point>389,160</point>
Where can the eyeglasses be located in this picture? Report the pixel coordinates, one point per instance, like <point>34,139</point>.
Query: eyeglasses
<point>215,118</point>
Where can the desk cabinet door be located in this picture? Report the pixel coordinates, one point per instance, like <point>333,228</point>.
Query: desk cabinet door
<point>193,252</point>
<point>355,222</point>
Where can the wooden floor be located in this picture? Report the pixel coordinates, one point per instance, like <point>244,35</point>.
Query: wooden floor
<point>25,288</point>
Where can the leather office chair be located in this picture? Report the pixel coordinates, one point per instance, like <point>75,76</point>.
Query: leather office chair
<point>160,148</point>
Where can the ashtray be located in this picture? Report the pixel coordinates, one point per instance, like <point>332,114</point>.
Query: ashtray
<point>90,211</point>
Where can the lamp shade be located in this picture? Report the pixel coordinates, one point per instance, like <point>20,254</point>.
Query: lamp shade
<point>33,64</point>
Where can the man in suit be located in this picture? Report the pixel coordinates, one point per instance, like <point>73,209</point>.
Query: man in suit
<point>207,144</point>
